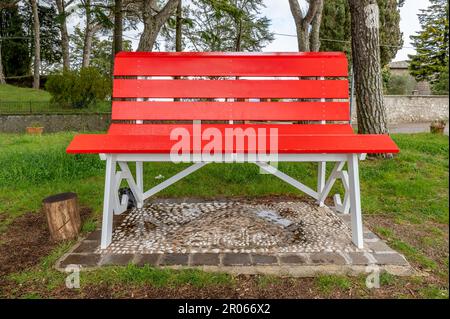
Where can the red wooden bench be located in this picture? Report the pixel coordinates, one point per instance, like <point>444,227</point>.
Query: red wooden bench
<point>222,87</point>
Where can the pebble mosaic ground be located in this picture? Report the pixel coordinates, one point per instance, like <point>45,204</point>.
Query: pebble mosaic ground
<point>243,234</point>
<point>239,227</point>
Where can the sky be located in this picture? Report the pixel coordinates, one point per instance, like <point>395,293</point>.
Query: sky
<point>282,23</point>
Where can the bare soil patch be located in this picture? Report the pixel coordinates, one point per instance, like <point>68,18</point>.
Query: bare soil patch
<point>26,241</point>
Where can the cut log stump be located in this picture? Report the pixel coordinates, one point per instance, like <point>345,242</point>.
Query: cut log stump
<point>63,215</point>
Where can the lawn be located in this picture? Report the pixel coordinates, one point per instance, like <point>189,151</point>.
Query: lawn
<point>16,100</point>
<point>19,94</point>
<point>405,201</point>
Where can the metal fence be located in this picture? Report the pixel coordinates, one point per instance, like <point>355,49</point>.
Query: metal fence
<point>45,107</point>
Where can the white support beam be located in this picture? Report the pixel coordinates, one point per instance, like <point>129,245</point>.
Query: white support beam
<point>114,205</point>
<point>322,171</point>
<point>140,182</point>
<point>107,221</point>
<point>321,177</point>
<point>302,187</point>
<point>120,204</point>
<point>173,180</point>
<point>129,177</point>
<point>355,200</point>
<point>330,182</point>
<point>226,157</point>
<point>344,207</point>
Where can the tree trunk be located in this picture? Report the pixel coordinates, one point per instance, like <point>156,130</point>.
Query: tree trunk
<point>64,34</point>
<point>90,30</point>
<point>37,44</point>
<point>117,32</point>
<point>307,26</point>
<point>153,23</point>
<point>118,27</point>
<point>179,26</point>
<point>315,29</point>
<point>87,48</point>
<point>2,74</point>
<point>367,67</point>
<point>63,215</point>
<point>239,36</point>
<point>302,34</point>
<point>149,34</point>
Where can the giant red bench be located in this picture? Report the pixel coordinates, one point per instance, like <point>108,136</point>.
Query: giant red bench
<point>229,90</point>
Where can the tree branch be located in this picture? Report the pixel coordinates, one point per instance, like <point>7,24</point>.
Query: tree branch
<point>313,6</point>
<point>165,12</point>
<point>296,11</point>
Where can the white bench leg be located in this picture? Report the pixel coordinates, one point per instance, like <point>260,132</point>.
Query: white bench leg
<point>355,200</point>
<point>140,182</point>
<point>107,222</point>
<point>322,171</point>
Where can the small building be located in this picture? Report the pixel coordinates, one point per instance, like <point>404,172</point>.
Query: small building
<point>400,68</point>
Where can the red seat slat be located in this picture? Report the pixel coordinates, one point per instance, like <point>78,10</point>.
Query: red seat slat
<point>283,129</point>
<point>327,64</point>
<point>289,144</point>
<point>132,110</point>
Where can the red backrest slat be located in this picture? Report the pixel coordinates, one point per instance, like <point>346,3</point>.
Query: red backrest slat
<point>224,86</point>
<point>325,64</point>
<point>280,111</point>
<point>311,89</point>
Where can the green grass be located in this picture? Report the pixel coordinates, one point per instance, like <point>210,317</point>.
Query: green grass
<point>13,93</point>
<point>328,284</point>
<point>433,292</point>
<point>157,277</point>
<point>411,189</point>
<point>268,280</point>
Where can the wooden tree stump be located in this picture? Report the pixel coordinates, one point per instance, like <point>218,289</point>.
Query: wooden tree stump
<point>63,215</point>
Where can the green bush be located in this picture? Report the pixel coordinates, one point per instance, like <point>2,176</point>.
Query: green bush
<point>78,89</point>
<point>400,85</point>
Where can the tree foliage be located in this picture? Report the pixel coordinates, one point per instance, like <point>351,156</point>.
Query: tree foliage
<point>440,87</point>
<point>221,25</point>
<point>78,89</point>
<point>431,43</point>
<point>15,46</point>
<point>51,52</point>
<point>335,30</point>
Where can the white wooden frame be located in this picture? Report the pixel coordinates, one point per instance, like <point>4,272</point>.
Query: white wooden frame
<point>112,204</point>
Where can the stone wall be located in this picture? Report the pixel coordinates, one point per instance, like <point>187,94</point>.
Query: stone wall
<point>55,122</point>
<point>400,109</point>
<point>414,108</point>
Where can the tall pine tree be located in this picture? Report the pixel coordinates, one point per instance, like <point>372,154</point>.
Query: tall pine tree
<point>431,43</point>
<point>335,30</point>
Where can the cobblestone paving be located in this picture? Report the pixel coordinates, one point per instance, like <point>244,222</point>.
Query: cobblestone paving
<point>277,237</point>
<point>239,227</point>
